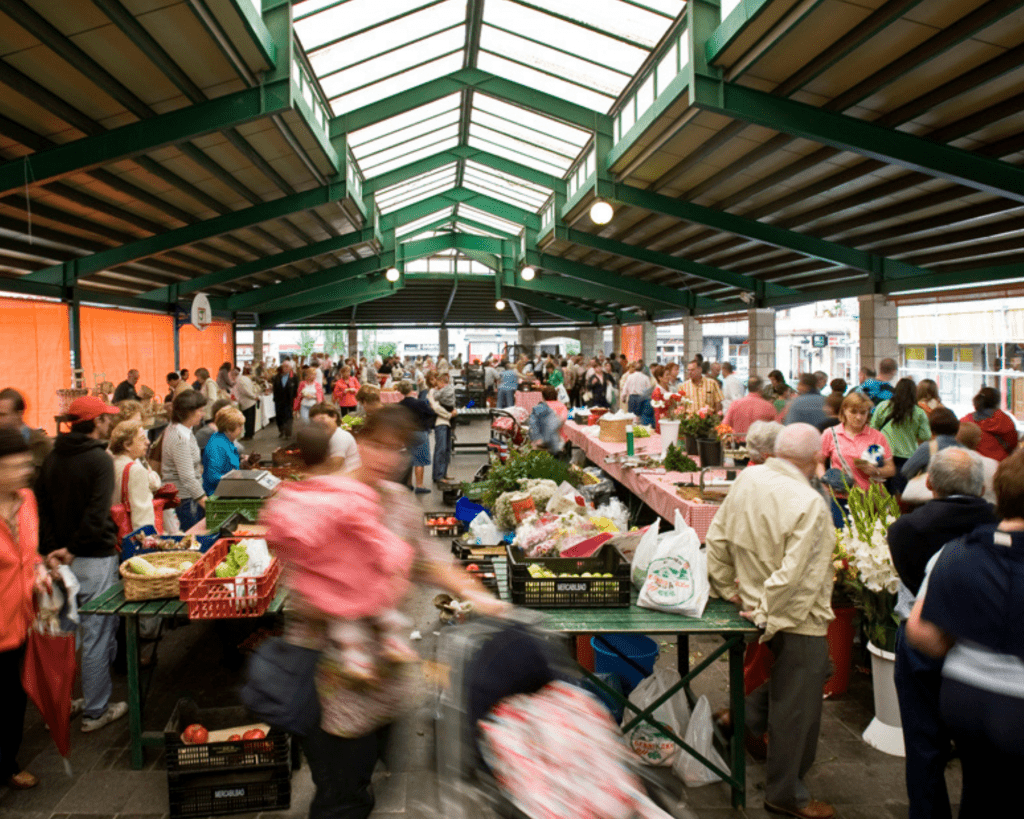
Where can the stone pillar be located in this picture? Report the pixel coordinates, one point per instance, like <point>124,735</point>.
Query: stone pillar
<point>257,346</point>
<point>353,344</point>
<point>616,340</point>
<point>650,343</point>
<point>591,341</point>
<point>879,331</point>
<point>761,334</point>
<point>442,343</point>
<point>693,340</point>
<point>528,340</point>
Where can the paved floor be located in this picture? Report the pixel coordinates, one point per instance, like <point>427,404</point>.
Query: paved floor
<point>196,660</point>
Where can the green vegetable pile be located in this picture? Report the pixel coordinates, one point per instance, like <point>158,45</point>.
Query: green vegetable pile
<point>352,422</point>
<point>676,461</point>
<point>520,465</point>
<point>640,431</point>
<point>235,562</point>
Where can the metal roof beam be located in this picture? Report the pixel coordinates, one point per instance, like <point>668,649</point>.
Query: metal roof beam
<point>146,135</point>
<point>276,317</point>
<point>569,288</point>
<point>483,81</point>
<point>304,284</point>
<point>555,308</point>
<point>848,133</point>
<point>71,271</point>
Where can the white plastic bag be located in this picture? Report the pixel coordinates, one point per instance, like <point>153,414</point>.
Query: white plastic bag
<point>484,530</point>
<point>616,512</point>
<point>651,745</point>
<point>563,394</point>
<point>677,576</point>
<point>645,553</point>
<point>699,734</point>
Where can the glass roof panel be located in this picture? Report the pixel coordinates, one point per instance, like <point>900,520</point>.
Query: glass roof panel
<point>396,84</point>
<point>433,139</point>
<point>338,22</point>
<point>487,219</point>
<point>403,135</point>
<point>417,224</point>
<point>380,165</point>
<point>495,142</point>
<point>476,183</point>
<point>618,18</point>
<point>463,227</point>
<point>575,138</point>
<point>534,78</point>
<point>548,59</point>
<point>420,186</point>
<point>532,196</point>
<point>537,25</point>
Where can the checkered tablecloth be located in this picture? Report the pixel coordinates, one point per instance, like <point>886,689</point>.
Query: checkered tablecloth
<point>528,400</point>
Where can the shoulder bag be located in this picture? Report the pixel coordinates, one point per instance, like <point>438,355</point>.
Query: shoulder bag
<point>122,512</point>
<point>839,480</point>
<point>280,686</point>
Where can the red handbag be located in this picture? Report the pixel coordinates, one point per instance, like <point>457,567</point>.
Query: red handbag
<point>122,512</point>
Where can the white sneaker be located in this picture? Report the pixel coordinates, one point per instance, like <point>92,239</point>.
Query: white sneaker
<point>114,711</point>
<point>77,707</point>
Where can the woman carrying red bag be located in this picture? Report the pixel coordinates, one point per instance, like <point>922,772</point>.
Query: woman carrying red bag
<point>21,574</point>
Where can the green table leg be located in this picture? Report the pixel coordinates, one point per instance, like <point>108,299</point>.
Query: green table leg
<point>131,627</point>
<point>739,722</point>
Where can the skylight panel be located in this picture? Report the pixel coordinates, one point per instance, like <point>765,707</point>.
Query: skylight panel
<point>394,85</point>
<point>496,142</point>
<point>417,185</point>
<point>485,218</point>
<point>625,20</point>
<point>502,67</point>
<point>379,165</point>
<point>511,180</point>
<point>418,224</point>
<point>538,123</point>
<point>348,20</point>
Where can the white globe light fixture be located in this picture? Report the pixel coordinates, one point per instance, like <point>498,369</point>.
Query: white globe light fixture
<point>528,273</point>
<point>500,304</point>
<point>392,275</point>
<point>601,212</point>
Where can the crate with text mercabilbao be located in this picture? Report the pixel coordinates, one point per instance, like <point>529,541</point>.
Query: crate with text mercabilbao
<point>220,762</point>
<point>599,581</point>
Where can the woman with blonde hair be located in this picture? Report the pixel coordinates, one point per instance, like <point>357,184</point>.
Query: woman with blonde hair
<point>220,455</point>
<point>310,393</point>
<point>129,411</point>
<point>128,446</point>
<point>844,444</point>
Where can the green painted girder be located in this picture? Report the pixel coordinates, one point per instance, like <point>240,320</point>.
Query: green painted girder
<point>102,297</point>
<point>69,272</point>
<point>264,296</point>
<point>745,13</point>
<point>278,317</point>
<point>482,81</point>
<point>257,30</point>
<point>557,308</point>
<point>642,254</point>
<point>442,158</point>
<point>758,231</point>
<point>435,225</point>
<point>568,288</point>
<point>130,140</point>
<point>173,292</point>
<point>670,297</point>
<point>847,133</point>
<point>992,273</point>
<point>501,234</point>
<point>455,196</point>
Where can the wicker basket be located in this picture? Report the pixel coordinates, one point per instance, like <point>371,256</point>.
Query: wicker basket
<point>613,431</point>
<point>143,587</point>
<point>66,397</point>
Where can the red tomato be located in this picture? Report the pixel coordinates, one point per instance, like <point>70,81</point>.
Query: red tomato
<point>472,567</point>
<point>452,521</point>
<point>235,738</point>
<point>195,734</point>
<point>254,733</point>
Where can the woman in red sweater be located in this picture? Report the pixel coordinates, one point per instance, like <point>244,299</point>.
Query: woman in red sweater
<point>998,430</point>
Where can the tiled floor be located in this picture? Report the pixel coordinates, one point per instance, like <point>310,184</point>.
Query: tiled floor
<point>861,782</point>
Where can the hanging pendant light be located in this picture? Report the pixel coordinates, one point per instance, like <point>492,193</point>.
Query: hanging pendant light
<point>601,212</point>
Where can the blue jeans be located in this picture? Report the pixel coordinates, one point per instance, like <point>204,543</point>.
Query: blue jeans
<point>918,680</point>
<point>442,451</point>
<point>189,513</point>
<point>97,637</point>
<point>506,398</point>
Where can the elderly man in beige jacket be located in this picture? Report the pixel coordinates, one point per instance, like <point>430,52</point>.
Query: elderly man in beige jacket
<point>770,551</point>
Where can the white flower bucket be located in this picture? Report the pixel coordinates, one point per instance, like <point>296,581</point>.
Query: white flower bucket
<point>885,733</point>
<point>669,434</point>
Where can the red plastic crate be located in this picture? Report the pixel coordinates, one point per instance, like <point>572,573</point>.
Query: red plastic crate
<point>222,598</point>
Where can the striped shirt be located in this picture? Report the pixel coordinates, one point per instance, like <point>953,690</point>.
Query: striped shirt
<point>904,437</point>
<point>705,393</point>
<point>181,462</point>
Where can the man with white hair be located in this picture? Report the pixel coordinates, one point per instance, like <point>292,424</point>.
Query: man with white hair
<point>770,552</point>
<point>956,477</point>
<point>761,439</point>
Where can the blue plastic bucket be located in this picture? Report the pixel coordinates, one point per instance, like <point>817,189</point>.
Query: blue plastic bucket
<point>641,650</point>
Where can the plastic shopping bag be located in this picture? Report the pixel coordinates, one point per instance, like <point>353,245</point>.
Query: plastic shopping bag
<point>645,552</point>
<point>651,745</point>
<point>484,530</point>
<point>699,735</point>
<point>677,576</point>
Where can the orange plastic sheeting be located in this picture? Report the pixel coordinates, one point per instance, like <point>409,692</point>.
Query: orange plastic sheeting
<point>633,342</point>
<point>207,348</point>
<point>35,355</point>
<point>115,341</point>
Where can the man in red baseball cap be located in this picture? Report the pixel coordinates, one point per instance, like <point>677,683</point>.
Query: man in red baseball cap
<point>74,491</point>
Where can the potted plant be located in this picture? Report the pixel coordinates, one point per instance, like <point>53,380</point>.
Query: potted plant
<point>702,424</point>
<point>864,541</point>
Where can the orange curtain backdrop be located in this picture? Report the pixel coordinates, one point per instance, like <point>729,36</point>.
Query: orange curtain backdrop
<point>35,355</point>
<point>633,342</point>
<point>207,348</point>
<point>115,341</point>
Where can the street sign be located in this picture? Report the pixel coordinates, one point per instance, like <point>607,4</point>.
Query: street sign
<point>819,340</point>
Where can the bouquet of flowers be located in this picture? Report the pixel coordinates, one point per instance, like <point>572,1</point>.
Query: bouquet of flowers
<point>862,545</point>
<point>702,423</point>
<point>676,405</point>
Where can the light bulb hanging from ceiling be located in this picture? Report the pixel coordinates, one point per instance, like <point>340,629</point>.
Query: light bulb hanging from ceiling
<point>499,304</point>
<point>528,274</point>
<point>601,212</point>
<point>392,275</point>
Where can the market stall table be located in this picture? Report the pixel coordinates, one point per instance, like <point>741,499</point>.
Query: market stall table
<point>267,411</point>
<point>390,396</point>
<point>720,619</point>
<point>657,491</point>
<point>528,399</point>
<point>112,602</point>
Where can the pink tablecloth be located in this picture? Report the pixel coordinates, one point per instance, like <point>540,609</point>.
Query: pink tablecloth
<point>390,396</point>
<point>657,491</point>
<point>528,400</point>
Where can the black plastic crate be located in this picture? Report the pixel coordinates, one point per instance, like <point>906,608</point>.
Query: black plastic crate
<point>442,529</point>
<point>216,794</point>
<point>218,756</point>
<point>571,590</point>
<point>486,573</point>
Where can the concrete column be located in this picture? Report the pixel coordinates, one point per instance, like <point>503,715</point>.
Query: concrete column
<point>761,333</point>
<point>879,330</point>
<point>693,340</point>
<point>591,341</point>
<point>616,340</point>
<point>353,343</point>
<point>257,345</point>
<point>442,342</point>
<point>528,339</point>
<point>650,343</point>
